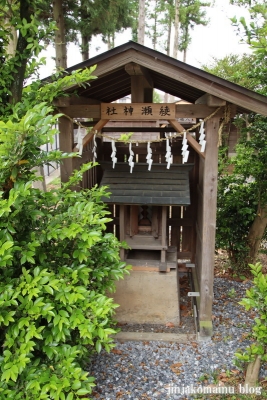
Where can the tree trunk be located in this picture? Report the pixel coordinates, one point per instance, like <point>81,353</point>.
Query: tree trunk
<point>256,233</point>
<point>13,39</point>
<point>176,29</point>
<point>186,41</point>
<point>185,55</point>
<point>60,37</point>
<point>252,373</point>
<point>168,48</point>
<point>108,41</point>
<point>141,22</point>
<point>23,55</point>
<point>155,34</point>
<point>85,47</point>
<point>168,44</point>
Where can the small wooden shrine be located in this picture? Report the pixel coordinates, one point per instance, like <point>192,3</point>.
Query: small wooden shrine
<point>163,182</point>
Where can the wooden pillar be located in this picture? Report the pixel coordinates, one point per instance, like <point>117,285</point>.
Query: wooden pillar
<point>141,91</point>
<point>141,83</point>
<point>164,235</point>
<point>122,229</point>
<point>66,146</point>
<point>210,173</point>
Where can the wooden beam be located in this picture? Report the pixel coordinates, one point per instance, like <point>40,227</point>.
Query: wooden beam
<point>193,143</point>
<point>87,138</point>
<point>134,69</point>
<point>61,102</point>
<point>82,111</point>
<point>211,101</point>
<point>129,128</point>
<point>74,100</point>
<point>208,230</point>
<point>181,110</point>
<point>139,111</point>
<point>176,125</point>
<point>196,111</point>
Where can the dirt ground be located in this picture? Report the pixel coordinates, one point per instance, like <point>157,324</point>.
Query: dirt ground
<point>223,269</point>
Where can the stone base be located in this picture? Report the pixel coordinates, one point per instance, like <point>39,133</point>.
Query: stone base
<point>148,297</point>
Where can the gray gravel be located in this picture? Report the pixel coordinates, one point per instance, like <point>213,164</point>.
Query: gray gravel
<point>151,370</point>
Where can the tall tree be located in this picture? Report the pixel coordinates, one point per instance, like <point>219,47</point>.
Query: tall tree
<point>176,28</point>
<point>60,35</point>
<point>192,13</point>
<point>104,17</point>
<point>156,21</point>
<point>24,18</point>
<point>168,24</point>
<point>141,22</point>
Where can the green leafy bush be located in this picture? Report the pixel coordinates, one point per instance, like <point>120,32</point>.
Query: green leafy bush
<point>256,298</point>
<point>56,266</point>
<point>242,197</point>
<point>236,209</point>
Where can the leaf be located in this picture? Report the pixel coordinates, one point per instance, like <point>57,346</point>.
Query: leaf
<point>83,391</point>
<point>76,385</point>
<point>48,289</point>
<point>6,375</point>
<point>176,368</point>
<point>116,351</point>
<point>98,346</point>
<point>170,325</point>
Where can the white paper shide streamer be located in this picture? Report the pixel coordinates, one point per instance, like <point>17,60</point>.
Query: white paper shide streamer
<point>113,154</point>
<point>94,149</point>
<point>202,140</point>
<point>79,141</point>
<point>149,156</point>
<point>185,152</point>
<point>131,157</point>
<point>168,156</point>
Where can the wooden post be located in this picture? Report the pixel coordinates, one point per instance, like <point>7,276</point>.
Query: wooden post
<point>122,229</point>
<point>164,234</point>
<point>66,145</point>
<point>209,227</point>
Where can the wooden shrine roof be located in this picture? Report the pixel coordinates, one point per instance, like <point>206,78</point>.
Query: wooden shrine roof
<point>162,72</point>
<point>160,186</point>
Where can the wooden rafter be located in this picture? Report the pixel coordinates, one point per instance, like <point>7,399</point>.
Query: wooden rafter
<point>98,126</point>
<point>193,143</point>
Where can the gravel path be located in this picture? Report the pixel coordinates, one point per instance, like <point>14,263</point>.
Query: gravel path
<point>157,370</point>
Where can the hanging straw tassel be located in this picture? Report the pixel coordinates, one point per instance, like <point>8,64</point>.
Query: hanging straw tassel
<point>149,156</point>
<point>94,149</point>
<point>80,141</point>
<point>185,152</point>
<point>113,154</point>
<point>168,156</point>
<point>202,136</point>
<point>130,159</point>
